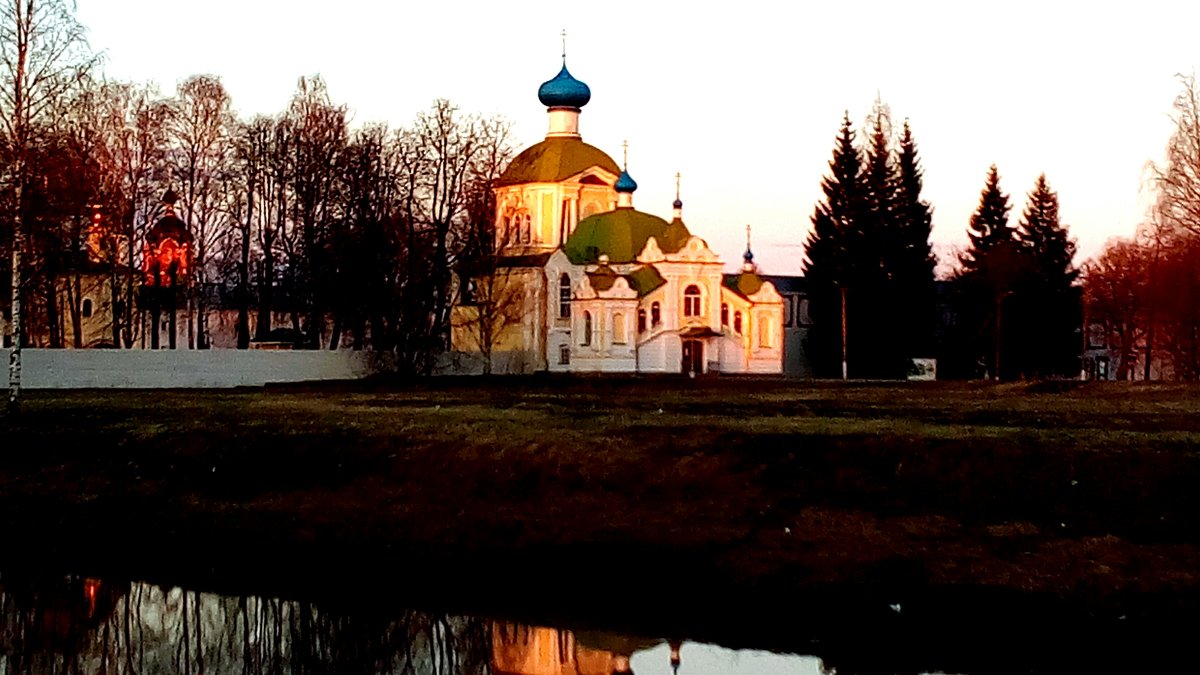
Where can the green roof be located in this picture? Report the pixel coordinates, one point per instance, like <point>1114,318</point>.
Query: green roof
<point>603,278</point>
<point>622,234</point>
<point>553,160</point>
<point>645,279</point>
<point>744,284</point>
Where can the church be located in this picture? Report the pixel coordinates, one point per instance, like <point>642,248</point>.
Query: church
<point>582,281</point>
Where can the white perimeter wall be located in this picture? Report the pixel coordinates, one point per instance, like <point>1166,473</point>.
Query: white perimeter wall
<point>215,368</point>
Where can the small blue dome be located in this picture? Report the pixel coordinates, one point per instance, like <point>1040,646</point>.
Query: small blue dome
<point>748,256</point>
<point>564,91</point>
<point>626,183</point>
<point>678,204</point>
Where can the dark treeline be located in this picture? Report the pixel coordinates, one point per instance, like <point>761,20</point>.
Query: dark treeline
<point>1015,299</point>
<point>869,254</point>
<point>873,297</point>
<point>304,226</point>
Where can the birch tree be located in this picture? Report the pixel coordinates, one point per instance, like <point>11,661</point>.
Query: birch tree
<point>43,52</point>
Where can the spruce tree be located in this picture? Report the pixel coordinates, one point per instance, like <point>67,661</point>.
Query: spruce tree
<point>826,264</point>
<point>989,224</point>
<point>1049,301</point>
<point>986,279</point>
<point>874,312</point>
<point>914,262</point>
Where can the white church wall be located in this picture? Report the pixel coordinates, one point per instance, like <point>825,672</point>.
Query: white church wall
<point>188,369</point>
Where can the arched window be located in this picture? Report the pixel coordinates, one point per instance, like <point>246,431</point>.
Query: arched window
<point>86,310</point>
<point>724,314</point>
<point>641,321</point>
<point>512,233</point>
<point>618,329</point>
<point>655,314</point>
<point>587,328</point>
<point>737,322</point>
<point>691,301</point>
<point>564,296</point>
<point>764,332</point>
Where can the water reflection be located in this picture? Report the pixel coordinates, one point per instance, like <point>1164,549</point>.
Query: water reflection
<point>80,625</point>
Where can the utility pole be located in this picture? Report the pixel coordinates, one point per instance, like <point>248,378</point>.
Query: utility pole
<point>845,367</point>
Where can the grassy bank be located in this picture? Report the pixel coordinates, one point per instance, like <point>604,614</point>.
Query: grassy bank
<point>754,491</point>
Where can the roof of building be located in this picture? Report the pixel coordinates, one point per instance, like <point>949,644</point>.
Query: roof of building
<point>744,284</point>
<point>786,284</point>
<point>527,260</point>
<point>625,182</point>
<point>564,91</point>
<point>621,235</point>
<point>603,278</point>
<point>645,279</point>
<point>553,160</point>
<point>168,227</point>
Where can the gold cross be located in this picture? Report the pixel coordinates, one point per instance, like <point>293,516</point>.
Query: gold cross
<point>676,185</point>
<point>564,43</point>
<point>625,147</point>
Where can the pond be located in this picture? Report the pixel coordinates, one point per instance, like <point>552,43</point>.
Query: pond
<point>85,625</point>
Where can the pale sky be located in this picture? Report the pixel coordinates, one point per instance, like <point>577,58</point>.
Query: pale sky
<point>743,98</point>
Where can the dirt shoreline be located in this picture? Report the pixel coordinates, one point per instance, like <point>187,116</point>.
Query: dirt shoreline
<point>988,513</point>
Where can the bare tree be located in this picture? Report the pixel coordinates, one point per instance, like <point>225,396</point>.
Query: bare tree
<point>1116,293</point>
<point>199,132</point>
<point>319,133</point>
<point>134,131</point>
<point>43,53</point>
<point>1177,179</point>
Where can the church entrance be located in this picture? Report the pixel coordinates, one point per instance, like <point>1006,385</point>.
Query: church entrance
<point>693,357</point>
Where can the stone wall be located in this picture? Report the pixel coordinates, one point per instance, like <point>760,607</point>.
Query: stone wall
<point>189,369</point>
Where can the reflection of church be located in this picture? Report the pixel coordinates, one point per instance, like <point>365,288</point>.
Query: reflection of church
<point>518,649</point>
<point>586,282</point>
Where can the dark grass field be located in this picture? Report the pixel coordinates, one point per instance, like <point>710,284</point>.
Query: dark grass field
<point>707,505</point>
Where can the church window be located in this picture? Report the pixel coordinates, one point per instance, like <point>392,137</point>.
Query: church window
<point>512,233</point>
<point>691,301</point>
<point>526,229</point>
<point>764,332</point>
<point>641,321</point>
<point>724,313</point>
<point>655,314</point>
<point>737,322</point>
<point>564,297</point>
<point>564,355</point>
<point>587,328</point>
<point>618,329</point>
<point>86,310</point>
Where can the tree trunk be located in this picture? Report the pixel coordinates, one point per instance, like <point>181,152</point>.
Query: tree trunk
<point>14,357</point>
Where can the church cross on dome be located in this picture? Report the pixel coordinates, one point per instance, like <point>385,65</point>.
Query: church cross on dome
<point>564,46</point>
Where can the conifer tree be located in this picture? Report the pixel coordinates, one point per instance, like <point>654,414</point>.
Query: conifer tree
<point>989,224</point>
<point>914,262</point>
<point>872,254</point>
<point>826,264</point>
<point>1048,306</point>
<point>986,279</point>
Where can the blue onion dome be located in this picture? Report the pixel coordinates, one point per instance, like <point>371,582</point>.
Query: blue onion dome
<point>564,91</point>
<point>748,256</point>
<point>626,183</point>
<point>678,203</point>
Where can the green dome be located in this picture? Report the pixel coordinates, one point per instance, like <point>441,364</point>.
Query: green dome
<point>553,160</point>
<point>621,235</point>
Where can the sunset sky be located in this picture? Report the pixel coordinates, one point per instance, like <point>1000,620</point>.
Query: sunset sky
<point>744,102</point>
